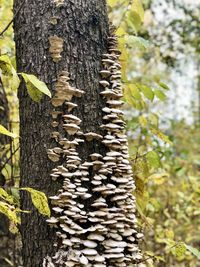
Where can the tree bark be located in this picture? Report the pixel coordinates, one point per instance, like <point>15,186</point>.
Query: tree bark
<point>5,236</point>
<point>4,118</point>
<point>66,44</point>
<point>83,26</point>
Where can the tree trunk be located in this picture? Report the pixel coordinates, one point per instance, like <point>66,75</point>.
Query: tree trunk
<point>5,236</point>
<point>53,38</point>
<point>4,114</point>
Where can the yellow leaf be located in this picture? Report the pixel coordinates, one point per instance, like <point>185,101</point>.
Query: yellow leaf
<point>35,87</point>
<point>112,3</point>
<point>121,32</point>
<point>14,82</point>
<point>138,8</point>
<point>158,178</point>
<point>8,71</point>
<point>180,249</point>
<point>169,233</point>
<point>5,64</point>
<point>128,96</point>
<point>131,94</point>
<point>6,196</point>
<point>4,131</point>
<point>141,168</point>
<point>9,212</point>
<point>161,135</point>
<point>143,121</point>
<point>39,200</point>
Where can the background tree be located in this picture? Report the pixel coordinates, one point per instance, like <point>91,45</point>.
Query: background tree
<point>4,223</point>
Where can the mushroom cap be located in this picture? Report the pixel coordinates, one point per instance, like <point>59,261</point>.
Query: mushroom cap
<point>90,244</point>
<point>52,220</point>
<point>90,136</point>
<point>53,156</point>
<point>83,260</point>
<point>71,128</point>
<point>104,83</point>
<point>70,105</point>
<point>95,156</point>
<point>110,94</point>
<point>70,117</point>
<point>89,251</point>
<point>96,236</point>
<point>105,73</point>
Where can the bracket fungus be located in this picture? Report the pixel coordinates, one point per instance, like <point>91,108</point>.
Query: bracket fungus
<point>59,2</point>
<point>91,136</point>
<point>94,211</point>
<point>56,47</point>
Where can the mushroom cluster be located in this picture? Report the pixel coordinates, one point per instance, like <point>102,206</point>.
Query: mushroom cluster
<point>94,211</point>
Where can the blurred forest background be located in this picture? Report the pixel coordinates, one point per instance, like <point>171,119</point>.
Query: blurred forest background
<point>160,46</point>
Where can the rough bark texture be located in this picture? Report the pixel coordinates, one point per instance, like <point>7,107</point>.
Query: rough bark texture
<point>4,223</point>
<point>83,26</point>
<point>4,114</point>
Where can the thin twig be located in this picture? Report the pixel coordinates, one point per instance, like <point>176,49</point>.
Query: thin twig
<point>17,12</point>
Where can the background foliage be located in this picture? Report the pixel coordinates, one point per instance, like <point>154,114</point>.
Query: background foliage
<point>164,153</point>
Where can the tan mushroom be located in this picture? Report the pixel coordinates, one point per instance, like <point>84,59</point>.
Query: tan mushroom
<point>90,136</point>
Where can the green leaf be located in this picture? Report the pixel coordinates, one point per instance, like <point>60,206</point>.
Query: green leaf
<point>120,32</point>
<point>112,3</point>
<point>39,200</point>
<point>15,81</point>
<point>4,131</point>
<point>9,212</point>
<point>9,71</point>
<point>161,135</point>
<point>159,178</point>
<point>143,121</point>
<point>164,86</point>
<point>153,159</point>
<point>5,64</point>
<point>135,93</point>
<point>154,120</point>
<point>135,15</point>
<point>147,92</point>
<point>136,41</point>
<point>133,21</point>
<point>160,94</point>
<point>131,95</point>
<point>35,87</point>
<point>180,249</point>
<point>138,8</point>
<point>194,251</point>
<point>6,196</point>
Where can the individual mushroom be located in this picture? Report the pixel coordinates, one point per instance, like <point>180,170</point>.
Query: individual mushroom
<point>71,128</point>
<point>90,136</point>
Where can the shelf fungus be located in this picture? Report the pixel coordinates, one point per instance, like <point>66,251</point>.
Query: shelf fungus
<point>93,212</point>
<point>56,47</point>
<point>65,92</point>
<point>91,136</point>
<point>59,2</point>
